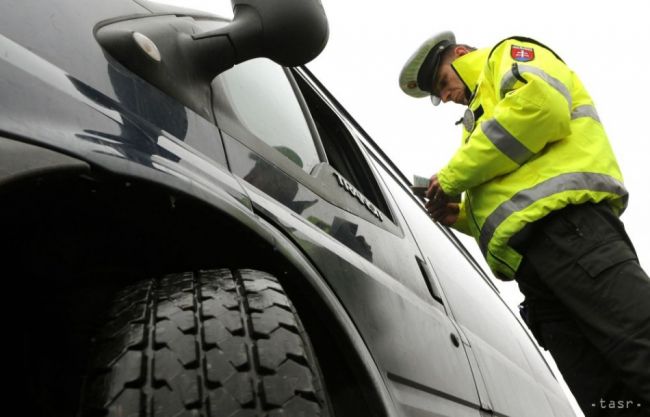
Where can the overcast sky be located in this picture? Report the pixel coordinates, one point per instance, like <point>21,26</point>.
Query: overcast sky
<point>604,42</point>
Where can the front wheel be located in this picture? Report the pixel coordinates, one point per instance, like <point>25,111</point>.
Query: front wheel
<point>216,343</point>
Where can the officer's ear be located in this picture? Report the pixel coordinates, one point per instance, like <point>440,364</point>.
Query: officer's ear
<point>460,50</point>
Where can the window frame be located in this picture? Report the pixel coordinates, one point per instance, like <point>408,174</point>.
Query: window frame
<point>311,124</point>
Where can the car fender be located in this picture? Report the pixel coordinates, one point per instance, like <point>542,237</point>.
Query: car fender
<point>31,162</point>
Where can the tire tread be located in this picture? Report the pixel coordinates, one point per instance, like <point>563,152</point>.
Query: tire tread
<point>216,343</point>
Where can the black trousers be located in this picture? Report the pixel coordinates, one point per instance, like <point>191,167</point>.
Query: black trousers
<point>587,301</point>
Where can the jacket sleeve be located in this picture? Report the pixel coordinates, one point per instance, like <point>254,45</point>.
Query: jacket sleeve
<point>533,108</point>
<point>461,224</point>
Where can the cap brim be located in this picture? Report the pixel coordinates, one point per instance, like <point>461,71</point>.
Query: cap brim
<point>409,74</point>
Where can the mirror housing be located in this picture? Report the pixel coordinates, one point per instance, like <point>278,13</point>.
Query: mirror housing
<point>170,52</point>
<point>289,32</point>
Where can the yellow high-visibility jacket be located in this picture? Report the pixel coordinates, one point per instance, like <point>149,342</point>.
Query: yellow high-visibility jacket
<point>536,145</point>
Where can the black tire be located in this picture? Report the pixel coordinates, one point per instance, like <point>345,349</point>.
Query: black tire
<point>213,343</point>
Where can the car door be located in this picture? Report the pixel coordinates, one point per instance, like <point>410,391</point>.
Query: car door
<point>516,377</point>
<point>305,172</point>
<point>513,377</point>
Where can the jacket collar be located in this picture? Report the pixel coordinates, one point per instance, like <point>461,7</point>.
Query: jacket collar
<point>469,67</point>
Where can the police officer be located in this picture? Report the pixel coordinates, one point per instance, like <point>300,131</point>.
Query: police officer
<point>541,194</point>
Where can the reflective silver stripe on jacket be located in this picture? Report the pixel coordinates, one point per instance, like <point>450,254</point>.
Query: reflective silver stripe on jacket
<point>585,111</point>
<point>565,182</point>
<point>505,142</point>
<point>510,79</point>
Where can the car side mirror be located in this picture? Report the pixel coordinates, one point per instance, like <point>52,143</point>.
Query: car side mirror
<point>170,52</point>
<point>289,32</point>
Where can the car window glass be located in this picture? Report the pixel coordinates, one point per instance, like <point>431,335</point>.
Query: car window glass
<point>264,102</point>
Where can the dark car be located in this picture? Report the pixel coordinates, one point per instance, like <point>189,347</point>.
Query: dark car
<point>193,229</point>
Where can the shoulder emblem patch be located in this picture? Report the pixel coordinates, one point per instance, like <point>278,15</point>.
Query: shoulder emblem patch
<point>522,53</point>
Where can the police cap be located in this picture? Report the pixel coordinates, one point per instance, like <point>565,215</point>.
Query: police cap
<point>416,78</point>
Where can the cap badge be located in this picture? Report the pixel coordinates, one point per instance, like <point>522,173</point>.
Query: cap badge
<point>521,53</point>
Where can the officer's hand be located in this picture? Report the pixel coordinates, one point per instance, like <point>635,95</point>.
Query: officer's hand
<point>435,193</point>
<point>446,215</point>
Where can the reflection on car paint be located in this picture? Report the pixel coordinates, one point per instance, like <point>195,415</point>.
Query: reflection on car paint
<point>270,179</point>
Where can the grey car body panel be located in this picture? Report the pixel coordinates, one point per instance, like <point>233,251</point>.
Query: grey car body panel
<point>19,161</point>
<point>393,312</point>
<point>69,107</point>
